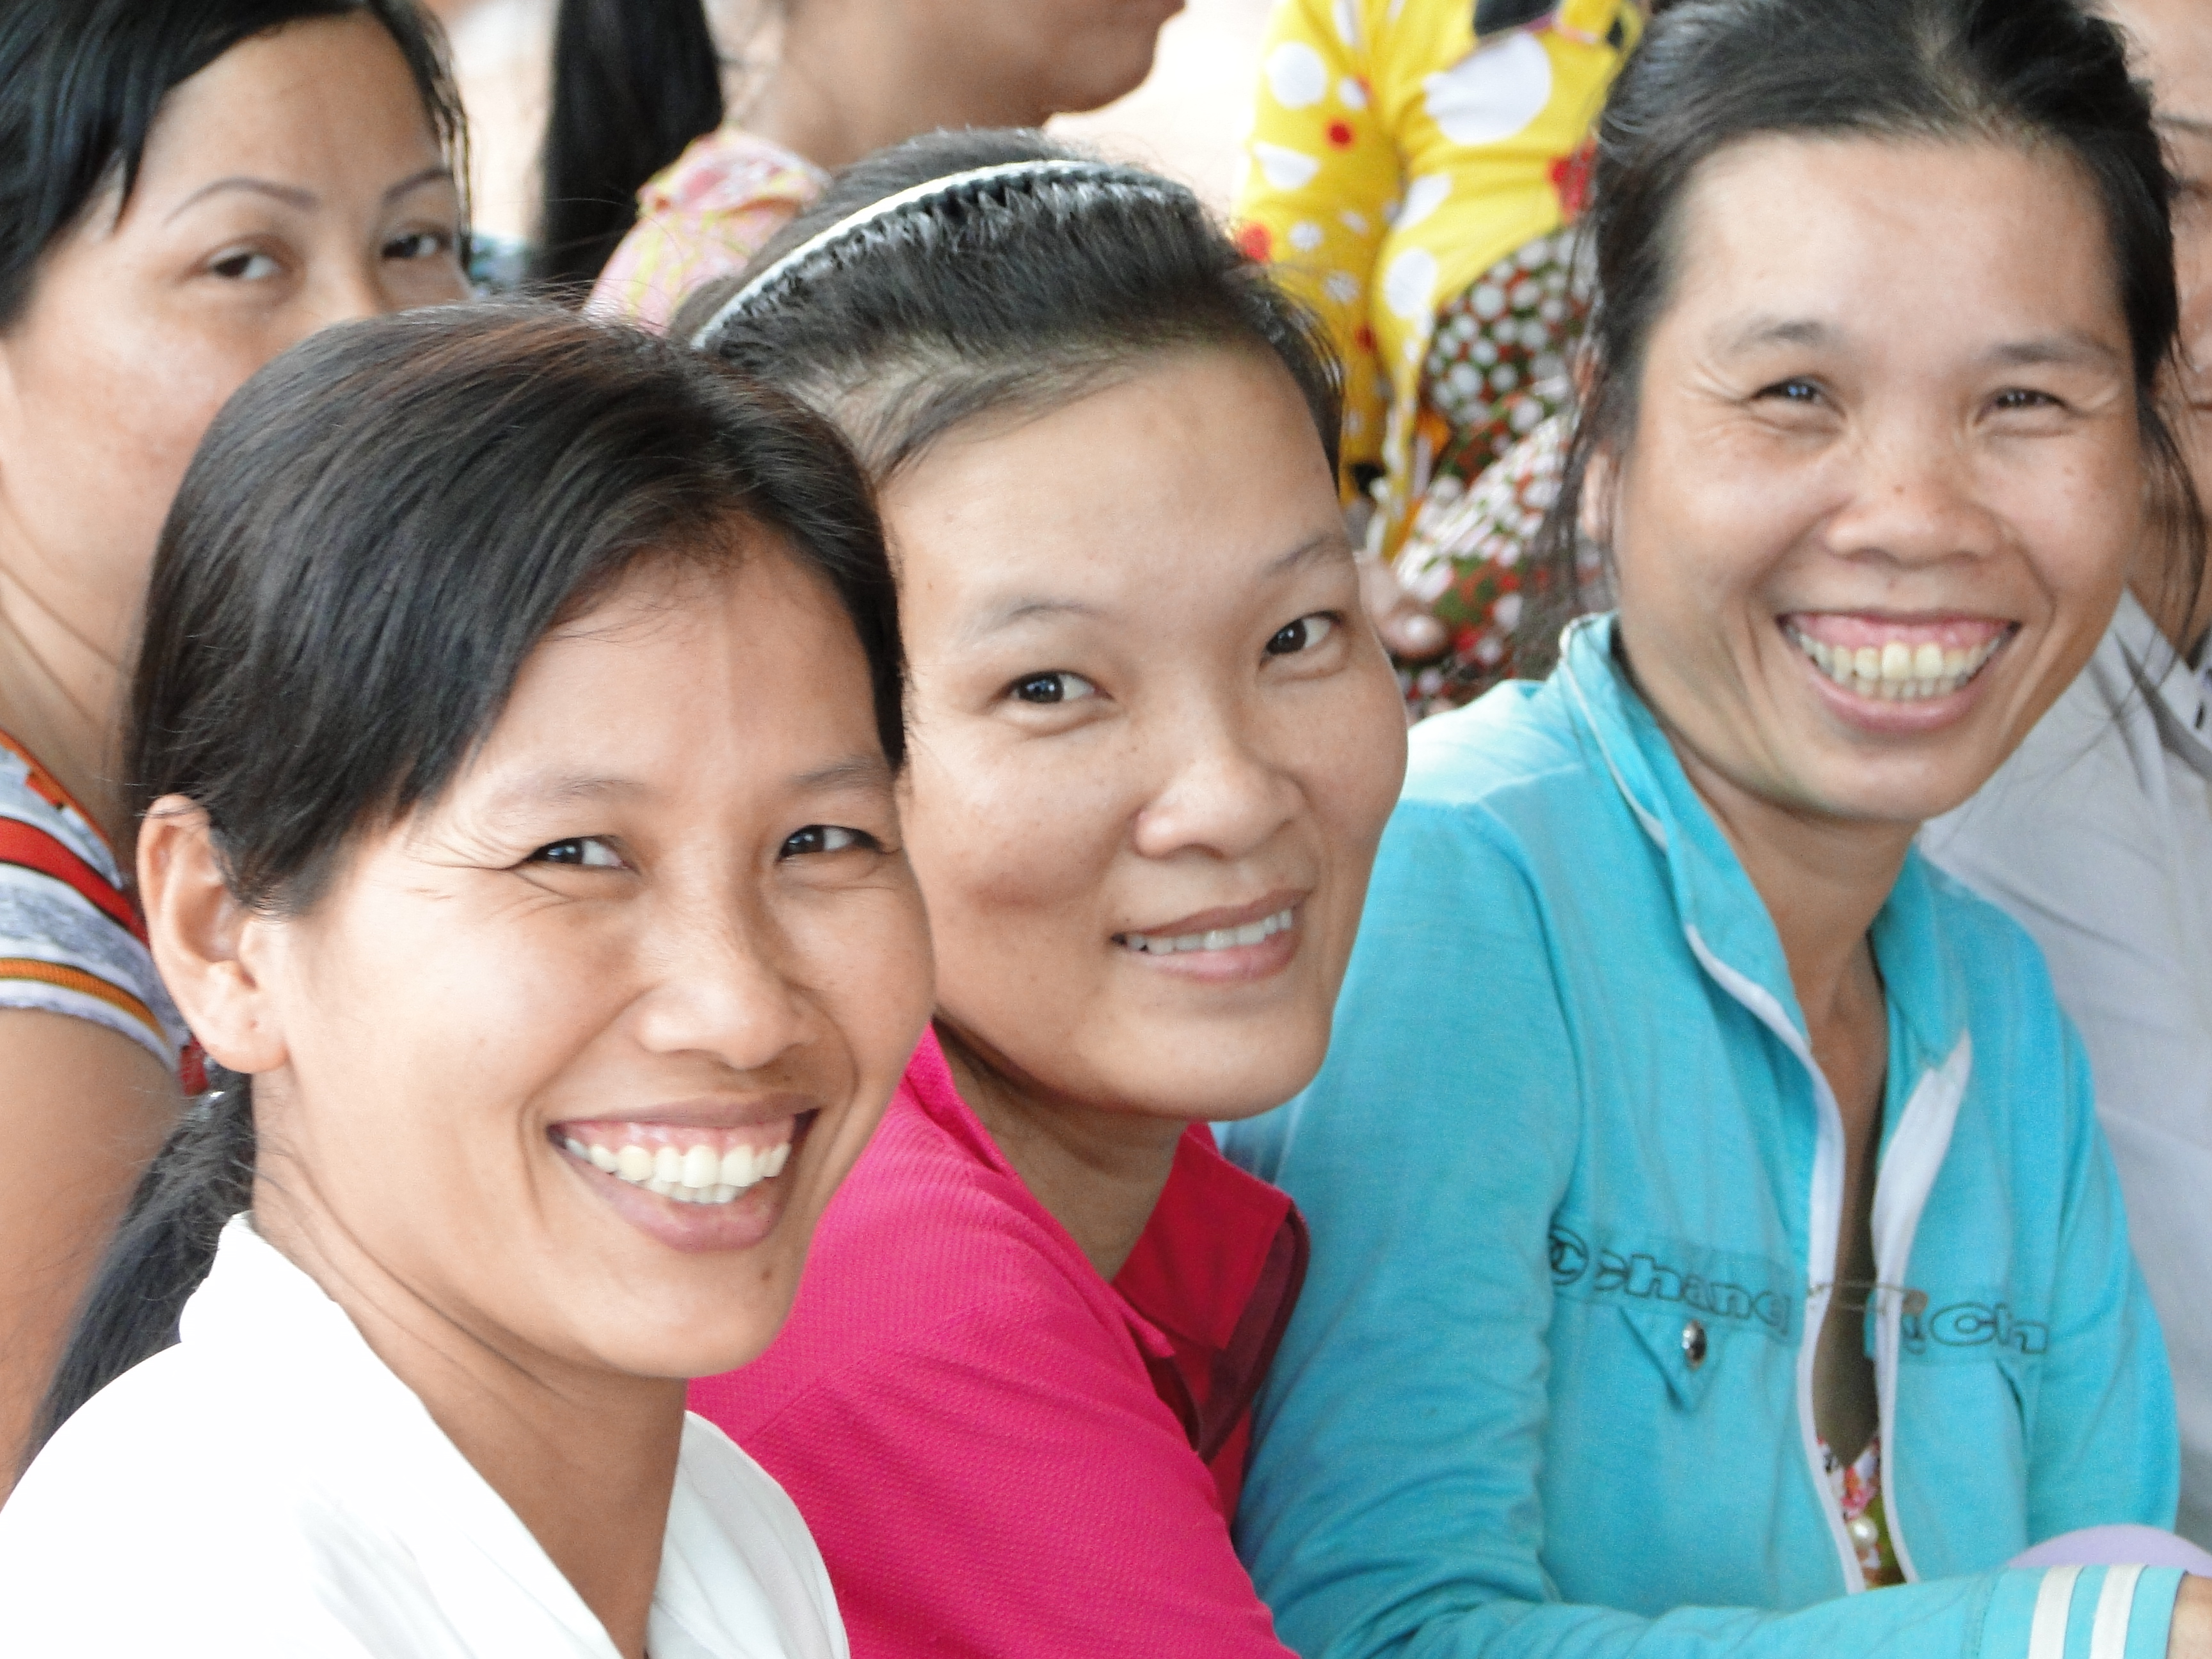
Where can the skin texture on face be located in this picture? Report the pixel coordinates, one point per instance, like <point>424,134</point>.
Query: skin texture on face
<point>666,898</point>
<point>1890,396</point>
<point>855,75</point>
<point>1146,702</point>
<point>293,183</point>
<point>2170,44</point>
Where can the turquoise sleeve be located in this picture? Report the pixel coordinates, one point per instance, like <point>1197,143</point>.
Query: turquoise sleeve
<point>2081,1612</point>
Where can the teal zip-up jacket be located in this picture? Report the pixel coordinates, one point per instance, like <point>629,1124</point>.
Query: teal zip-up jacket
<point>1574,1182</point>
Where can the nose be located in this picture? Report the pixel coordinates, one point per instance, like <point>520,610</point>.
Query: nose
<point>1914,501</point>
<point>344,292</point>
<point>1225,795</point>
<point>720,989</point>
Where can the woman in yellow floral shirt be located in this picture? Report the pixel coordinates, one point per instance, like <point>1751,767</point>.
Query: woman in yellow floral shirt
<point>1412,166</point>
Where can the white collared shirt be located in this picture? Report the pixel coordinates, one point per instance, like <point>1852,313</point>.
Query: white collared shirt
<point>2097,838</point>
<point>269,1486</point>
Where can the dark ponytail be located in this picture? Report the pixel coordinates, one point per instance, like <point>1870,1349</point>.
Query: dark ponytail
<point>376,532</point>
<point>202,1176</point>
<point>634,82</point>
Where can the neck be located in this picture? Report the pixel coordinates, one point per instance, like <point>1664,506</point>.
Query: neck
<point>855,75</point>
<point>537,1430</point>
<point>61,698</point>
<point>1823,881</point>
<point>1098,1170</point>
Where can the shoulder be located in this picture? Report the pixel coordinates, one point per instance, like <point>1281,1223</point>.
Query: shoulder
<point>162,1481</point>
<point>730,169</point>
<point>929,1260</point>
<point>69,940</point>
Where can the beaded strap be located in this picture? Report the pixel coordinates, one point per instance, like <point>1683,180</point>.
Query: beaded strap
<point>928,193</point>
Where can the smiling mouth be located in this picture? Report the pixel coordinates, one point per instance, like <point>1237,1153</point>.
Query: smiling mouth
<point>1213,938</point>
<point>1906,664</point>
<point>697,1167</point>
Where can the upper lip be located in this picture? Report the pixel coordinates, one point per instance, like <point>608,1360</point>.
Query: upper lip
<point>707,1112</point>
<point>1207,921</point>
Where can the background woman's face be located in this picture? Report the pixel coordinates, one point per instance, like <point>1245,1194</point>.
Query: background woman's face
<point>293,183</point>
<point>663,909</point>
<point>1155,740</point>
<point>1887,477</point>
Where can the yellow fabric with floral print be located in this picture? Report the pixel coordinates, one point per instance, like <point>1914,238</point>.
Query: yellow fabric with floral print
<point>1395,157</point>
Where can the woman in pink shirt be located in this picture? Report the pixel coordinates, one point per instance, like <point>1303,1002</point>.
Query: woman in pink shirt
<point>1154,744</point>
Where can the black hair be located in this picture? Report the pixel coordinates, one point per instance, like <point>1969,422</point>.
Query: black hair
<point>1011,291</point>
<point>1713,73</point>
<point>376,532</point>
<point>634,82</point>
<point>82,81</point>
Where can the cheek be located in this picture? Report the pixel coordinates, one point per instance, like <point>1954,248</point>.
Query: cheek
<point>995,831</point>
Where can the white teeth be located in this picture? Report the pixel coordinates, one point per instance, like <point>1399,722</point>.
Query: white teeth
<point>1896,671</point>
<point>698,1175</point>
<point>1218,938</point>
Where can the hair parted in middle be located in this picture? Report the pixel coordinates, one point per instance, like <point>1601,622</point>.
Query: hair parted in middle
<point>2031,74</point>
<point>1021,289</point>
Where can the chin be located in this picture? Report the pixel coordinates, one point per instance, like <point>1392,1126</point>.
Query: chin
<point>1237,1082</point>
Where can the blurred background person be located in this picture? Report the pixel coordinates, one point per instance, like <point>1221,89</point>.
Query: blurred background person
<point>187,188</point>
<point>638,134</point>
<point>1413,165</point>
<point>2097,835</point>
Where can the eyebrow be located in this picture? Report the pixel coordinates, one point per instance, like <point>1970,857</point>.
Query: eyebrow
<point>298,196</point>
<point>1328,543</point>
<point>854,772</point>
<point>2068,347</point>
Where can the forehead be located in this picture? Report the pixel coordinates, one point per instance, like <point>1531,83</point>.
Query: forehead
<point>316,95</point>
<point>1934,240</point>
<point>1190,472</point>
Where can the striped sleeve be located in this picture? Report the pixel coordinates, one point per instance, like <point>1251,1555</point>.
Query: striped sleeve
<point>70,939</point>
<point>2083,1613</point>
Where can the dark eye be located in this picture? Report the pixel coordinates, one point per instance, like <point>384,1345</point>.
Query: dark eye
<point>245,266</point>
<point>1052,688</point>
<point>584,852</point>
<point>828,838</point>
<point>1793,391</point>
<point>1303,635</point>
<point>419,244</point>
<point>2022,397</point>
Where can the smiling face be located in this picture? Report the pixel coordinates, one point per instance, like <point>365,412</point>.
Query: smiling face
<point>293,183</point>
<point>625,934</point>
<point>1885,478</point>
<point>1155,741</point>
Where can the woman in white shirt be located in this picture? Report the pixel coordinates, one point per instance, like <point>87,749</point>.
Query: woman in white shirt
<point>515,730</point>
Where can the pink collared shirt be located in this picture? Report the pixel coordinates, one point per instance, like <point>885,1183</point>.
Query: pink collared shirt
<point>998,1451</point>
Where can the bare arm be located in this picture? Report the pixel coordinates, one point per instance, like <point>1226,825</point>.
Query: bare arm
<point>83,1109</point>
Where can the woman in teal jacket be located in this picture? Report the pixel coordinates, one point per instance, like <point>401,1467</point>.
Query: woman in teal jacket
<point>1709,1216</point>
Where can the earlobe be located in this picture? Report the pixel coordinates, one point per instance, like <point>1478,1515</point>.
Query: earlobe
<point>203,938</point>
<point>1594,516</point>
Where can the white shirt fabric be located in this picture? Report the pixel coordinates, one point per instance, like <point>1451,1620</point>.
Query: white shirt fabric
<point>269,1486</point>
<point>2097,838</point>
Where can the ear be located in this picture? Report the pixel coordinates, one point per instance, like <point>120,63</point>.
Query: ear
<point>1594,516</point>
<point>206,944</point>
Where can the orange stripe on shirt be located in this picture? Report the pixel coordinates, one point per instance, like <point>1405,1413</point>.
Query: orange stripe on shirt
<point>76,979</point>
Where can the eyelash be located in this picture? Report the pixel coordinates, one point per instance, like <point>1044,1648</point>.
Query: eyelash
<point>1056,680</point>
<point>552,852</point>
<point>860,839</point>
<point>1331,621</point>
